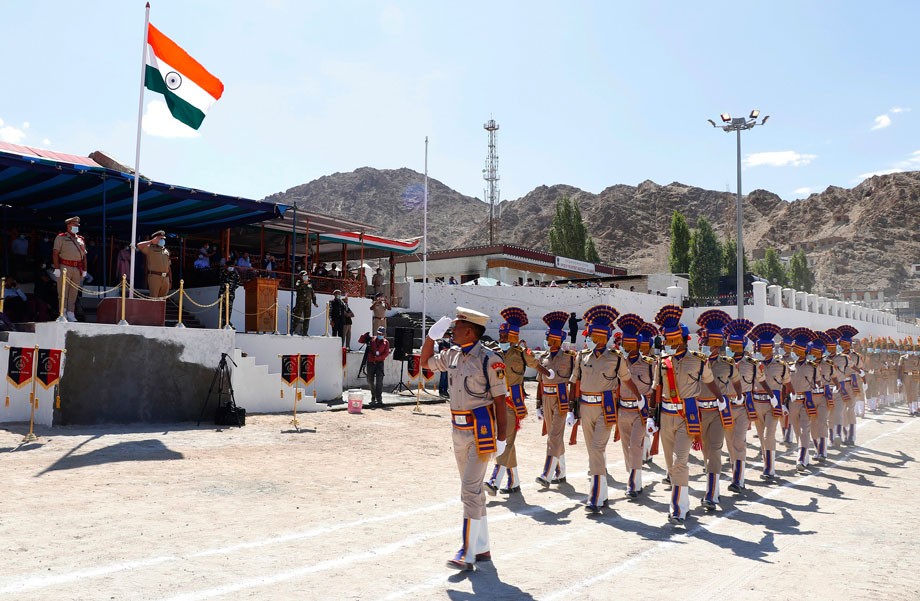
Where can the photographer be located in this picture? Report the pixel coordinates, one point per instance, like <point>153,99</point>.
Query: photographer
<point>378,349</point>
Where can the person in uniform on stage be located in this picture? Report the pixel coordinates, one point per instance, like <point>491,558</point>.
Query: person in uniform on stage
<point>600,376</point>
<point>303,305</point>
<point>743,410</point>
<point>684,376</point>
<point>379,309</point>
<point>773,377</point>
<point>159,265</point>
<point>802,381</point>
<point>69,252</point>
<point>715,412</point>
<point>633,411</point>
<point>559,366</point>
<point>516,359</point>
<point>852,373</point>
<point>476,377</point>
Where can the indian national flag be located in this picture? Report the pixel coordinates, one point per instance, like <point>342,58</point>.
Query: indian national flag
<point>188,87</point>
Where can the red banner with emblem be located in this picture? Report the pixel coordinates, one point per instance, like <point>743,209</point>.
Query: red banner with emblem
<point>48,370</point>
<point>427,373</point>
<point>307,369</point>
<point>413,366</point>
<point>290,368</point>
<point>19,369</point>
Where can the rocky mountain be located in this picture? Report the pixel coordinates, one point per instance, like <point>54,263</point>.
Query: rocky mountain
<point>862,238</point>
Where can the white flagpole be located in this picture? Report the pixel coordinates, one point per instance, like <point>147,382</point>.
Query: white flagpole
<point>425,248</point>
<point>137,154</point>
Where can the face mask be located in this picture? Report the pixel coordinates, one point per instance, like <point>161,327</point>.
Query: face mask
<point>504,345</point>
<point>379,336</point>
<point>337,297</point>
<point>161,242</point>
<point>75,229</point>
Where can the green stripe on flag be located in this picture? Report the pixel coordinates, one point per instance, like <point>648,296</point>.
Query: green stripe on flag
<point>180,109</point>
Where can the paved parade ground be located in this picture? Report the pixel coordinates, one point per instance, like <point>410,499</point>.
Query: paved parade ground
<point>367,507</point>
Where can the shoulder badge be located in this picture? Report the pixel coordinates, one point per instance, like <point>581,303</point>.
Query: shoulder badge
<point>699,355</point>
<point>729,360</point>
<point>649,360</point>
<point>499,368</point>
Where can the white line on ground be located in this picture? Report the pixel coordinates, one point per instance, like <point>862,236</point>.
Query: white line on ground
<point>620,567</point>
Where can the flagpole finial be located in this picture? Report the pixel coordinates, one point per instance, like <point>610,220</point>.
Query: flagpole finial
<point>148,5</point>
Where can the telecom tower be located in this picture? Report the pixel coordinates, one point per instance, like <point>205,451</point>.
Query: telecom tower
<point>490,174</point>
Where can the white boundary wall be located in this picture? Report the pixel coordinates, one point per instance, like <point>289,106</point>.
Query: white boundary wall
<point>442,300</point>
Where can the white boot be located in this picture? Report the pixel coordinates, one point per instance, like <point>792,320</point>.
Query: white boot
<point>634,485</point>
<point>70,316</point>
<point>560,470</point>
<point>482,542</point>
<point>549,468</point>
<point>466,556</point>
<point>680,503</point>
<point>514,481</point>
<point>594,498</point>
<point>712,487</point>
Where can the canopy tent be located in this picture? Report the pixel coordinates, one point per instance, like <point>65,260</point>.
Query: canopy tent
<point>40,186</point>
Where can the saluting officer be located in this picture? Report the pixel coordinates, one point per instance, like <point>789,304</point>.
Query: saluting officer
<point>516,359</point>
<point>600,374</point>
<point>159,270</point>
<point>773,376</point>
<point>476,377</point>
<point>559,365</point>
<point>743,411</point>
<point>69,252</point>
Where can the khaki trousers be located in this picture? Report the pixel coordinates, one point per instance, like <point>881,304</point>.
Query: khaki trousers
<point>379,322</point>
<point>472,470</point>
<point>713,438</point>
<point>555,426</point>
<point>800,422</point>
<point>509,457</point>
<point>596,434</point>
<point>157,285</point>
<point>737,438</point>
<point>632,436</point>
<point>766,426</point>
<point>676,444</point>
<point>74,279</point>
<point>819,423</point>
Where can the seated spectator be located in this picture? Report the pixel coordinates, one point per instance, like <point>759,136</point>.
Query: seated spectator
<point>321,271</point>
<point>270,264</point>
<point>452,281</point>
<point>202,262</point>
<point>244,261</point>
<point>207,251</point>
<point>14,302</point>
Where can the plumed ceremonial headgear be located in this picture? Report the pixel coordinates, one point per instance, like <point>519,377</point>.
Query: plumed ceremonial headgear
<point>834,335</point>
<point>668,318</point>
<point>801,339</point>
<point>785,335</point>
<point>515,318</point>
<point>555,320</point>
<point>847,332</point>
<point>647,334</point>
<point>714,322</point>
<point>630,324</point>
<point>763,334</point>
<point>600,319</point>
<point>736,331</point>
<point>821,341</point>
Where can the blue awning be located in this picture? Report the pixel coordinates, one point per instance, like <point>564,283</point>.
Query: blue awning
<point>56,186</point>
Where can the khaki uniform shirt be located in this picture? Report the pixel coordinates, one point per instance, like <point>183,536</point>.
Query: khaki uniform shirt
<point>379,310</point>
<point>470,385</point>
<point>600,373</point>
<point>855,363</point>
<point>803,378</point>
<point>70,247</point>
<point>517,360</point>
<point>748,368</point>
<point>726,373</point>
<point>643,371</point>
<point>563,364</point>
<point>157,258</point>
<point>775,374</point>
<point>690,373</point>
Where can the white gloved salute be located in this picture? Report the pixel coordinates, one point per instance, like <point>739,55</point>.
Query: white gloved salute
<point>57,274</point>
<point>552,375</point>
<point>438,328</point>
<point>570,419</point>
<point>500,446</point>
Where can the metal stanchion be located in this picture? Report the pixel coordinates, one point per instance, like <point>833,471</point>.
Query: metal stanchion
<point>63,283</point>
<point>124,290</point>
<point>2,293</point>
<point>276,318</point>
<point>30,437</point>
<point>227,325</point>
<point>181,293</point>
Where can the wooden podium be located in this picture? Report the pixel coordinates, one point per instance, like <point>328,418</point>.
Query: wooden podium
<point>261,295</point>
<point>138,311</point>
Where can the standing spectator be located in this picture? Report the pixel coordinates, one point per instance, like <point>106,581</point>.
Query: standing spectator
<point>573,326</point>
<point>230,277</point>
<point>270,264</point>
<point>321,271</point>
<point>244,262</point>
<point>379,307</point>
<point>43,252</point>
<point>346,325</point>
<point>123,266</point>
<point>377,282</point>
<point>19,248</point>
<point>302,309</point>
<point>337,315</point>
<point>452,281</point>
<point>378,349</point>
<point>207,251</point>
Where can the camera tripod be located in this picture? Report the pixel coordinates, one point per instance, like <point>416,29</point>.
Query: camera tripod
<point>225,399</point>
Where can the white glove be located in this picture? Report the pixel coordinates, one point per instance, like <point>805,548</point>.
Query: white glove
<point>500,446</point>
<point>785,411</point>
<point>773,402</point>
<point>539,414</point>
<point>84,275</point>
<point>552,375</point>
<point>650,426</point>
<point>570,419</point>
<point>865,387</point>
<point>722,403</point>
<point>57,274</point>
<point>641,402</point>
<point>436,331</point>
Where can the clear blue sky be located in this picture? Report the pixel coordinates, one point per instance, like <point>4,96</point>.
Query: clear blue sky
<point>590,94</point>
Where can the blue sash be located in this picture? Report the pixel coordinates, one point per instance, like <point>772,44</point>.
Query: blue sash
<point>517,401</point>
<point>726,414</point>
<point>692,415</point>
<point>484,430</point>
<point>778,410</point>
<point>749,405</point>
<point>829,395</point>
<point>610,409</point>
<point>563,397</point>
<point>810,407</point>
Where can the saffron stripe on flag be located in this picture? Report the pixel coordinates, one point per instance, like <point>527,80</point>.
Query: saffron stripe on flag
<point>170,52</point>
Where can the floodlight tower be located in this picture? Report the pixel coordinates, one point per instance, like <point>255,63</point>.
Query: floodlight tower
<point>490,174</point>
